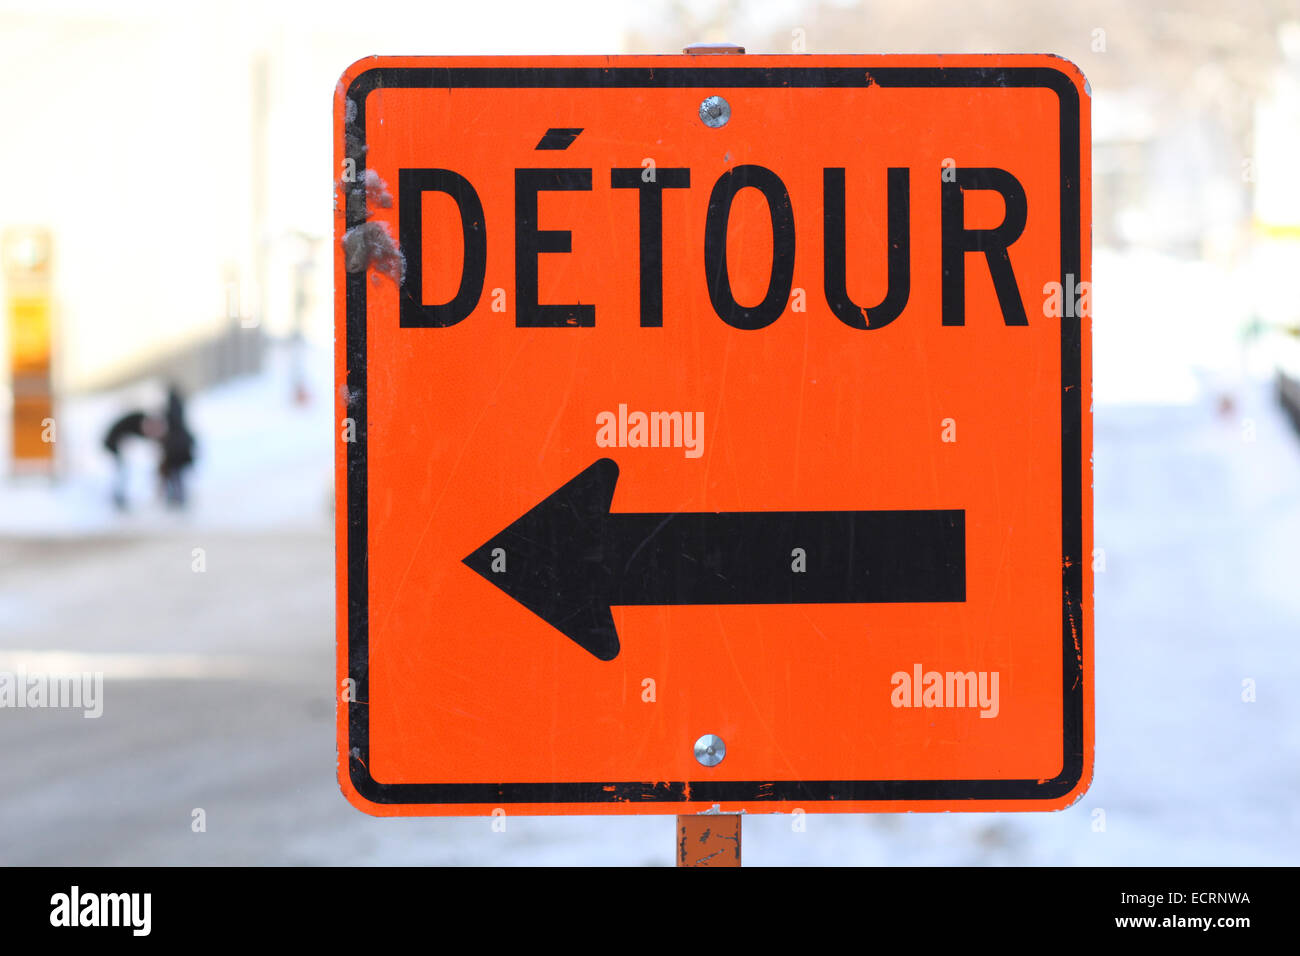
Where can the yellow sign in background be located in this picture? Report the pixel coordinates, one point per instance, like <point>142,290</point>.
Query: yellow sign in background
<point>27,280</point>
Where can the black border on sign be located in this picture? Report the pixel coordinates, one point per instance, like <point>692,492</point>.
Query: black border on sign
<point>719,791</point>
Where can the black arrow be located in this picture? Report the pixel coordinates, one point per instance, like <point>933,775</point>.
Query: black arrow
<point>569,559</point>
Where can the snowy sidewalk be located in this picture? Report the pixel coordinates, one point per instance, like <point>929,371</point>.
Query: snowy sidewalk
<point>263,462</point>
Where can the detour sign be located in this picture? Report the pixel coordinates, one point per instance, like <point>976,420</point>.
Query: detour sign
<point>713,430</point>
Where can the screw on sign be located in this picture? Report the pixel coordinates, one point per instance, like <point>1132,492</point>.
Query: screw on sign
<point>655,384</point>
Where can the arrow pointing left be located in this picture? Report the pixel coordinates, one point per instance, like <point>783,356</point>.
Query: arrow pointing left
<point>568,560</point>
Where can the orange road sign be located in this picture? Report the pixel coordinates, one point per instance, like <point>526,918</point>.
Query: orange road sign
<point>713,431</point>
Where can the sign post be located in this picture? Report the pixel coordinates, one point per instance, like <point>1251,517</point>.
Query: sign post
<point>714,433</point>
<point>708,839</point>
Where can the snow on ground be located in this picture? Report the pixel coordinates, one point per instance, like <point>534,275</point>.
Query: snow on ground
<point>262,461</point>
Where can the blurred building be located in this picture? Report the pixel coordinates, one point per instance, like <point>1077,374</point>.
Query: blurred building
<point>140,135</point>
<point>179,156</point>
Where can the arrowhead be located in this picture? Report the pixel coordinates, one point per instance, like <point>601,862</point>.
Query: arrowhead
<point>554,560</point>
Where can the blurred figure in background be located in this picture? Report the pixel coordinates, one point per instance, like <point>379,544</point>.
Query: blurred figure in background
<point>177,449</point>
<point>134,424</point>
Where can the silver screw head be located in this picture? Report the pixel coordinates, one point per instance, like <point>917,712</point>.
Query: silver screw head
<point>709,750</point>
<point>715,111</point>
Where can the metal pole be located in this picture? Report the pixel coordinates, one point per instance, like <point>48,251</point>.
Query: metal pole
<point>708,839</point>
